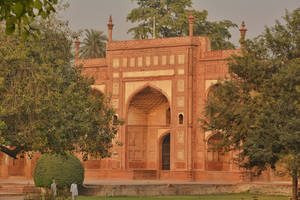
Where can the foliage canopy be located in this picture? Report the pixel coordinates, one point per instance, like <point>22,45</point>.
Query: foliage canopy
<point>46,104</point>
<point>171,20</point>
<point>257,108</point>
<point>21,13</point>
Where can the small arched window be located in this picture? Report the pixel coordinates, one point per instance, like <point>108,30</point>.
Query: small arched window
<point>180,118</point>
<point>115,120</point>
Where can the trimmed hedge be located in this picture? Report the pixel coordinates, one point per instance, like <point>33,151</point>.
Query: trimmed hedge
<point>65,169</point>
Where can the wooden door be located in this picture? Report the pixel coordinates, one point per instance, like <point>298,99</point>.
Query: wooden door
<point>166,153</point>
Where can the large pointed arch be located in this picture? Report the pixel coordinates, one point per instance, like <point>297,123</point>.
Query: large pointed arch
<point>147,111</point>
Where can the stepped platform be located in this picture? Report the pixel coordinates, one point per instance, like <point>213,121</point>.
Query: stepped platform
<point>178,188</point>
<point>17,190</point>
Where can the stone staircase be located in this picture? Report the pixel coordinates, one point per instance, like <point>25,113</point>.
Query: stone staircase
<point>16,191</point>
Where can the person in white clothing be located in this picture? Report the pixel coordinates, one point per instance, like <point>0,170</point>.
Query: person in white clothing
<point>74,190</point>
<point>53,189</point>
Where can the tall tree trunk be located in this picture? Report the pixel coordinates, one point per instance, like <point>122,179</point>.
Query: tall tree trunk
<point>295,186</point>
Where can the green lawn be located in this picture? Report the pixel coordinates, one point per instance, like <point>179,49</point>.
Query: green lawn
<point>243,196</point>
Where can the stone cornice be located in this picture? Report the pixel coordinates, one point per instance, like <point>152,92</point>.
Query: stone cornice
<point>153,43</point>
<point>218,54</point>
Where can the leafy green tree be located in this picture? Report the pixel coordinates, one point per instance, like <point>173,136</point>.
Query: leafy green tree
<point>46,103</point>
<point>21,13</point>
<point>257,108</point>
<point>171,20</point>
<point>93,45</point>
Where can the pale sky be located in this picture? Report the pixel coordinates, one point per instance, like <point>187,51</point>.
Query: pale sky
<point>86,14</point>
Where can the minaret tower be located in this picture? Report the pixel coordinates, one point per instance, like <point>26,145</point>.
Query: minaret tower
<point>191,23</point>
<point>243,31</point>
<point>110,28</point>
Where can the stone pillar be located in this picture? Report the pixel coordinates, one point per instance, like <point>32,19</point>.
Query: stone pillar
<point>189,113</point>
<point>191,23</point>
<point>110,28</point>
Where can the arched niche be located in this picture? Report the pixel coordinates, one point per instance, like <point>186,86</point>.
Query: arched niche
<point>216,159</point>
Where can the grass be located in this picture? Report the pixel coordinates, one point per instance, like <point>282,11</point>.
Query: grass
<point>242,196</point>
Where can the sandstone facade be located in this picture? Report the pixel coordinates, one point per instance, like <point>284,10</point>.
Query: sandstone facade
<point>158,87</point>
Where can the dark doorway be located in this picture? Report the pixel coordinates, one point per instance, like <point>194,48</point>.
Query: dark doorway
<point>165,153</point>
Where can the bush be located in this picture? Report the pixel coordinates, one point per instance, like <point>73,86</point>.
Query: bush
<point>65,169</point>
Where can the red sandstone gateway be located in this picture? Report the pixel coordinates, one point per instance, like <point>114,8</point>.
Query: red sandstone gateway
<point>158,87</point>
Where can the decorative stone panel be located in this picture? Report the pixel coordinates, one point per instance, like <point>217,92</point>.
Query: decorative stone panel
<point>180,101</point>
<point>115,103</point>
<point>180,137</point>
<point>124,62</point>
<point>150,73</point>
<point>116,62</point>
<point>132,62</point>
<point>140,61</point>
<point>155,60</point>
<point>116,75</point>
<point>172,60</point>
<point>148,61</point>
<point>181,59</point>
<point>180,71</point>
<point>115,88</point>
<point>163,60</point>
<point>180,85</point>
<point>180,155</point>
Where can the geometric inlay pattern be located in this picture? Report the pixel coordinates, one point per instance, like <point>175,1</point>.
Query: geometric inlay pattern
<point>147,99</point>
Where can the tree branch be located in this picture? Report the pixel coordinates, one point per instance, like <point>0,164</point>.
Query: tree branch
<point>11,152</point>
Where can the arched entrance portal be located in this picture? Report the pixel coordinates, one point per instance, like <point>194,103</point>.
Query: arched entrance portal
<point>217,158</point>
<point>148,115</point>
<point>165,153</point>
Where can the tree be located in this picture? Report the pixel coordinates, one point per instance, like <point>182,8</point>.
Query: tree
<point>257,108</point>
<point>171,20</point>
<point>21,13</point>
<point>46,103</point>
<point>93,45</point>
